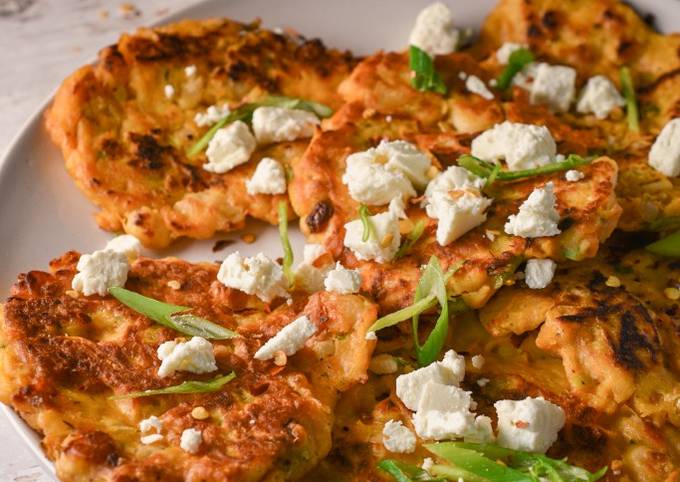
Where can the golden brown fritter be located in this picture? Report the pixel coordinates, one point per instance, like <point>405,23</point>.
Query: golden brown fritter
<point>588,210</point>
<point>64,355</point>
<point>125,142</point>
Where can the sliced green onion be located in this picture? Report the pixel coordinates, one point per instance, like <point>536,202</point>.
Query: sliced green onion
<point>424,76</point>
<point>628,89</point>
<point>455,473</point>
<point>668,246</point>
<point>486,169</point>
<point>183,388</point>
<point>245,113</point>
<point>411,239</point>
<point>365,216</point>
<point>405,313</point>
<point>285,242</point>
<point>172,316</point>
<point>403,472</point>
<point>516,62</point>
<point>500,464</point>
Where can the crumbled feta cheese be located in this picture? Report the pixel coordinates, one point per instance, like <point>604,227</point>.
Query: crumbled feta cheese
<point>600,97</point>
<point>269,178</point>
<point>573,175</point>
<point>212,114</point>
<point>151,423</point>
<point>257,275</point>
<point>398,438</point>
<point>522,146</point>
<point>482,382</point>
<point>99,271</point>
<point>477,361</point>
<point>481,431</point>
<point>537,215</point>
<point>553,85</point>
<point>195,356</point>
<point>382,173</point>
<point>454,178</point>
<point>289,340</point>
<point>169,91</point>
<point>506,50</point>
<point>427,465</point>
<point>457,213</point>
<point>126,244</point>
<point>308,276</point>
<point>231,146</point>
<point>381,245</point>
<point>477,86</point>
<point>279,124</point>
<point>539,273</point>
<point>493,82</point>
<point>370,336</point>
<point>150,439</point>
<point>462,75</point>
<point>449,371</point>
<point>443,397</point>
<point>342,280</point>
<point>531,424</point>
<point>190,70</point>
<point>664,155</point>
<point>397,208</point>
<point>190,441</point>
<point>434,31</point>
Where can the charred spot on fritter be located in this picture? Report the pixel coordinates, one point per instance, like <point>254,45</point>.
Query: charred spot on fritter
<point>319,215</point>
<point>148,151</point>
<point>631,339</point>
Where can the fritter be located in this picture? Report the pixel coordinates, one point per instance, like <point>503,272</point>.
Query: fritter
<point>64,356</point>
<point>125,141</point>
<point>608,355</point>
<point>588,210</point>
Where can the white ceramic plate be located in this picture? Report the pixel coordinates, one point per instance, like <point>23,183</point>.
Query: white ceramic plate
<point>42,213</point>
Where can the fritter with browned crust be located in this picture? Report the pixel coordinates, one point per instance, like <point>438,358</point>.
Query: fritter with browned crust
<point>125,141</point>
<point>64,355</point>
<point>588,210</point>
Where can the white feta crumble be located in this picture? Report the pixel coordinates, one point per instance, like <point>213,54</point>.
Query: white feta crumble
<point>539,273</point>
<point>664,156</point>
<point>269,178</point>
<point>398,438</point>
<point>454,178</point>
<point>600,97</point>
<point>477,361</point>
<point>477,86</point>
<point>190,70</point>
<point>391,169</point>
<point>289,340</point>
<point>342,280</point>
<point>195,356</point>
<point>383,242</point>
<point>449,371</point>
<point>553,85</point>
<point>151,423</point>
<point>427,465</point>
<point>257,275</point>
<point>462,75</point>
<point>99,271</point>
<point>169,91</point>
<point>506,50</point>
<point>482,382</point>
<point>574,175</point>
<point>126,244</point>
<point>190,441</point>
<point>522,146</point>
<point>370,336</point>
<point>456,213</point>
<point>279,124</point>
<point>537,215</point>
<point>231,146</point>
<point>531,424</point>
<point>151,438</point>
<point>308,275</point>
<point>434,31</point>
<point>212,114</point>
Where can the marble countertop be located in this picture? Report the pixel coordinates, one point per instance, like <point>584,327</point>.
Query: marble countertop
<point>41,42</point>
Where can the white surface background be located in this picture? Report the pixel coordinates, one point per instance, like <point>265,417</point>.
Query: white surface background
<point>41,42</point>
